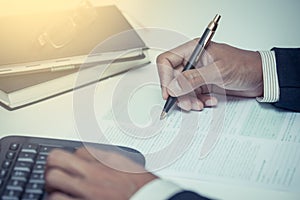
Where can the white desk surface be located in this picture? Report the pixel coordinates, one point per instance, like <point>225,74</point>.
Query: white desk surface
<point>255,24</point>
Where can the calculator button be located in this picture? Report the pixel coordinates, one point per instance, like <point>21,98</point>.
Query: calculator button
<point>10,155</point>
<point>20,175</point>
<point>26,157</point>
<point>15,185</point>
<point>34,188</point>
<point>11,195</point>
<point>37,178</point>
<point>3,173</point>
<point>23,166</point>
<point>30,148</point>
<point>6,164</point>
<point>45,150</point>
<point>14,146</point>
<point>30,196</point>
<point>41,159</point>
<point>39,169</point>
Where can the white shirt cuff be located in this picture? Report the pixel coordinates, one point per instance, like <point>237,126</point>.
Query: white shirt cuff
<point>157,189</point>
<point>270,77</point>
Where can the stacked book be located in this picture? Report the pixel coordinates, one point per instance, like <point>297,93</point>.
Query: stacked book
<point>43,53</point>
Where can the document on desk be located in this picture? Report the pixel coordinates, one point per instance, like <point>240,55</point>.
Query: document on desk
<point>257,145</point>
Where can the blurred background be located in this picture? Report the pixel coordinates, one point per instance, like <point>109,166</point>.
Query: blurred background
<point>248,24</point>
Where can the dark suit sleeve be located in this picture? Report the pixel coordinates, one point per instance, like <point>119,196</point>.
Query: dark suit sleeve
<point>288,70</point>
<point>188,195</point>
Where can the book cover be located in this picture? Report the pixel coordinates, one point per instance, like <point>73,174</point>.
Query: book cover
<point>103,33</point>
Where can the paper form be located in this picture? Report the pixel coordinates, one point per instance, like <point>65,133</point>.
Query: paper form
<point>258,145</point>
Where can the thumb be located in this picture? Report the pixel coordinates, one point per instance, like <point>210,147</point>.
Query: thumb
<point>189,80</point>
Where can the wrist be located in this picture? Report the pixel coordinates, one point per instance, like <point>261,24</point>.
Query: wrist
<point>142,179</point>
<point>257,65</point>
<point>157,189</point>
<point>253,73</point>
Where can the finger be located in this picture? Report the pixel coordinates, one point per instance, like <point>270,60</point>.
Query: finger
<point>85,154</point>
<point>184,103</point>
<point>189,80</point>
<point>204,89</point>
<point>166,77</point>
<point>116,161</point>
<point>91,154</point>
<point>179,86</point>
<point>58,180</point>
<point>67,162</point>
<point>170,60</point>
<point>94,155</point>
<point>166,74</point>
<point>190,102</point>
<point>203,94</point>
<point>176,72</point>
<point>196,103</point>
<point>178,55</point>
<point>103,158</point>
<point>208,100</point>
<point>59,196</point>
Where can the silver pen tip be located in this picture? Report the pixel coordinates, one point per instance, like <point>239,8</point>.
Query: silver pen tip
<point>217,18</point>
<point>163,115</point>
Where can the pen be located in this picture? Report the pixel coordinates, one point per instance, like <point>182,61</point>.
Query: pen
<point>201,45</point>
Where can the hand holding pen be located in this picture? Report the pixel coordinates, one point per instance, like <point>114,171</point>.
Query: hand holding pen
<point>202,44</point>
<point>223,67</point>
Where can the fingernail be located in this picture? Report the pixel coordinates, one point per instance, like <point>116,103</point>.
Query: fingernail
<point>184,106</point>
<point>210,102</point>
<point>197,105</point>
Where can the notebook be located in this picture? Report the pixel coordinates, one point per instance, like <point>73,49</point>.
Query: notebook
<point>62,39</point>
<point>38,63</point>
<point>23,161</point>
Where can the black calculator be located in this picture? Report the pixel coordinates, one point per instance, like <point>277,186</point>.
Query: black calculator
<point>23,161</point>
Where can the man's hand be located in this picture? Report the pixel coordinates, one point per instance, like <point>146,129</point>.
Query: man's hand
<point>93,174</point>
<point>221,68</point>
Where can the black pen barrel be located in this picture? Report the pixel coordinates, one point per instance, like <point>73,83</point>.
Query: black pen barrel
<point>169,103</point>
